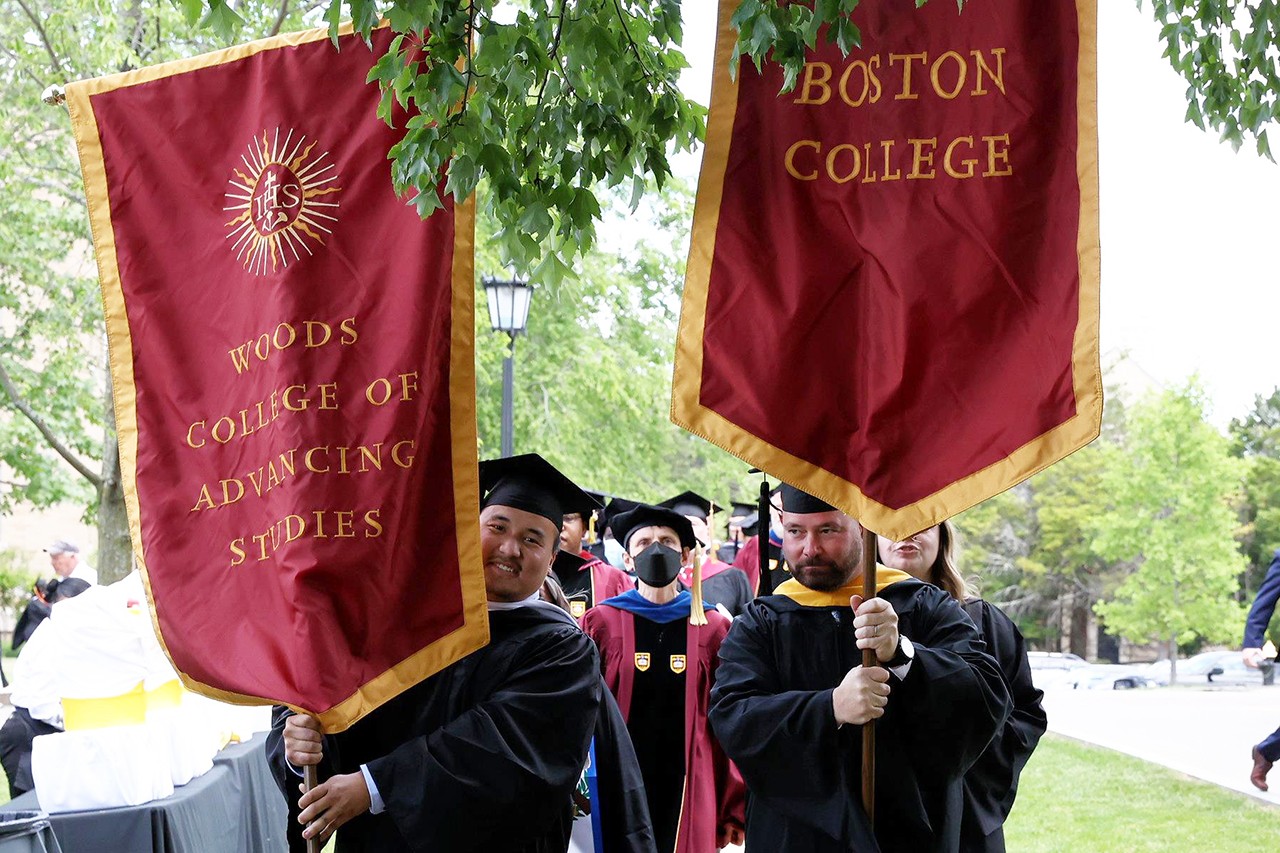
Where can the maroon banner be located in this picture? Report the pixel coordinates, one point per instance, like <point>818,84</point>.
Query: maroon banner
<point>293,370</point>
<point>892,290</point>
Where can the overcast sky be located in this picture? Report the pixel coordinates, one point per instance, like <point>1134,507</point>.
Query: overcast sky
<point>1190,244</point>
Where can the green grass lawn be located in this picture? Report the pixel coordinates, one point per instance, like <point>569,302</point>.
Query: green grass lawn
<point>1074,797</point>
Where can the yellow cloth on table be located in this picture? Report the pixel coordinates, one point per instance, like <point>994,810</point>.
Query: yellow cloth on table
<point>125,709</point>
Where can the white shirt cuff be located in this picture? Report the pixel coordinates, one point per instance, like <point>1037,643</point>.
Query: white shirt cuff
<point>376,806</point>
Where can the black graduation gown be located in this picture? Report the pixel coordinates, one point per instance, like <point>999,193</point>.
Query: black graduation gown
<point>482,756</point>
<point>624,808</point>
<point>992,783</point>
<point>771,709</point>
<point>729,587</point>
<point>656,723</point>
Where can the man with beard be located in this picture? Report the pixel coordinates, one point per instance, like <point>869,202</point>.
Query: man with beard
<point>790,699</point>
<point>484,755</point>
<point>660,663</point>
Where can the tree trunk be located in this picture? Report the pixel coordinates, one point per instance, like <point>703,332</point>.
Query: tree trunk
<point>115,554</point>
<point>1173,659</point>
<point>1080,613</point>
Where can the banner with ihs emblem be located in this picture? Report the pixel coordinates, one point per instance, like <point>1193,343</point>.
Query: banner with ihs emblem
<point>292,363</point>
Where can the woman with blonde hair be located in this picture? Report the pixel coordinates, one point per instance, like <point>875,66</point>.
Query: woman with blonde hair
<point>992,783</point>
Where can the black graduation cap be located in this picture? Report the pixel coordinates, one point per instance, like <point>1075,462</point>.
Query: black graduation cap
<point>801,502</point>
<point>530,483</point>
<point>567,563</point>
<point>614,508</point>
<point>644,515</point>
<point>689,503</point>
<point>742,515</point>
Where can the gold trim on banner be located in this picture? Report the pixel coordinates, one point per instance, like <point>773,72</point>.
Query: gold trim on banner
<point>688,412</point>
<point>686,381</point>
<point>111,82</point>
<point>84,126</point>
<point>474,632</point>
<point>1086,359</point>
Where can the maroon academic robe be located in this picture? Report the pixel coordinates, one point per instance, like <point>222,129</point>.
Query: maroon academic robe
<point>606,581</point>
<point>714,794</point>
<point>748,560</point>
<point>710,569</point>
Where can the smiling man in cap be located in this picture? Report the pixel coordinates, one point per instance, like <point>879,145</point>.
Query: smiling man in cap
<point>483,755</point>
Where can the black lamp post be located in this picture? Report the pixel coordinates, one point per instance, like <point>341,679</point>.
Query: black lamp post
<point>508,312</point>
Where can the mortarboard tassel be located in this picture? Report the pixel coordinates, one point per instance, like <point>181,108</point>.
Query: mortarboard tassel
<point>696,614</point>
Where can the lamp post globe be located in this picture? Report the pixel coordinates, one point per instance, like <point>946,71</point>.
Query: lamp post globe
<point>508,312</point>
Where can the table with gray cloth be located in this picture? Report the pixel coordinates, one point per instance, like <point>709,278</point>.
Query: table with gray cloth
<point>234,808</point>
<point>27,832</point>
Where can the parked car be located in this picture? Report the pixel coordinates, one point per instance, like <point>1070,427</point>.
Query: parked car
<point>1108,677</point>
<point>1053,669</point>
<point>1220,667</point>
<point>1231,670</point>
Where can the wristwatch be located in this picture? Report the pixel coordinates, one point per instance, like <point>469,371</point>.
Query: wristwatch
<point>904,654</point>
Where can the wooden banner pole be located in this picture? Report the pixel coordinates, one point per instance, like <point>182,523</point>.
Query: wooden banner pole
<point>310,779</point>
<point>869,660</point>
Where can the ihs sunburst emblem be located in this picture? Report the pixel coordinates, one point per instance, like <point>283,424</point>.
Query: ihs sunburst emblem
<point>284,199</point>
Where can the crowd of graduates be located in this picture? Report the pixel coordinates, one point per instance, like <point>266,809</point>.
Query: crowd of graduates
<point>639,694</point>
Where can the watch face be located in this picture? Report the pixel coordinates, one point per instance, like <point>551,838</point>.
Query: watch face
<point>905,653</point>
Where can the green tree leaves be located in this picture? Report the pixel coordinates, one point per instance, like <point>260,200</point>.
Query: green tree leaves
<point>56,430</point>
<point>593,373</point>
<point>1224,51</point>
<point>549,104</point>
<point>1170,484</point>
<point>1140,526</point>
<point>1256,439</point>
<point>781,32</point>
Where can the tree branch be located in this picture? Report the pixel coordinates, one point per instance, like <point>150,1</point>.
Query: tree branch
<point>553,55</point>
<point>7,384</point>
<point>60,191</point>
<point>23,69</point>
<point>284,13</point>
<point>635,49</point>
<point>471,68</point>
<point>44,37</point>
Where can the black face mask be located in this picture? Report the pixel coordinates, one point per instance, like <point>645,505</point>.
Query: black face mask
<point>657,565</point>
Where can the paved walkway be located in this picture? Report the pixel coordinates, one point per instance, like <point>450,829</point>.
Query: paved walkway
<point>1205,733</point>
